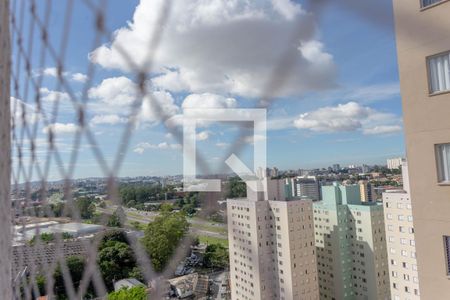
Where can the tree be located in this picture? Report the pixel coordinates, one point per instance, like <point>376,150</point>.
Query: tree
<point>85,207</point>
<point>114,220</point>
<point>75,264</point>
<point>116,261</point>
<point>134,293</point>
<point>216,256</point>
<point>163,235</point>
<point>112,236</point>
<point>237,188</point>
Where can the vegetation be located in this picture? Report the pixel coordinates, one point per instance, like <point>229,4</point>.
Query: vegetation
<point>237,188</point>
<point>86,207</point>
<point>144,193</point>
<point>163,235</point>
<point>216,256</point>
<point>116,258</point>
<point>115,219</point>
<point>75,264</point>
<point>213,240</point>
<point>135,293</point>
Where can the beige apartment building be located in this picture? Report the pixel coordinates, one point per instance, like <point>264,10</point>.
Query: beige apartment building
<point>423,45</point>
<point>271,246</point>
<point>351,247</point>
<point>398,219</point>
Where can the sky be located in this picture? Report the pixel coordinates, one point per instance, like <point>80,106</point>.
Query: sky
<point>326,71</point>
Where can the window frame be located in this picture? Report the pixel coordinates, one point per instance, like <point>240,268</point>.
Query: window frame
<point>447,253</point>
<point>439,165</point>
<point>427,62</point>
<point>422,7</point>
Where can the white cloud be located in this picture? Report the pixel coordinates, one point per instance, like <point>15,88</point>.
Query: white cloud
<point>142,147</point>
<point>53,72</point>
<point>350,116</point>
<point>208,100</point>
<point>107,119</point>
<point>51,96</point>
<point>80,77</point>
<point>61,128</point>
<point>115,95</point>
<point>224,46</point>
<point>383,129</point>
<point>202,135</point>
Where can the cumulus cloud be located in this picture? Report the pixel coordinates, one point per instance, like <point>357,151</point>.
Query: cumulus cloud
<point>142,147</point>
<point>52,96</point>
<point>80,77</point>
<point>208,100</point>
<point>61,128</point>
<point>53,72</point>
<point>350,116</point>
<point>115,95</point>
<point>225,47</point>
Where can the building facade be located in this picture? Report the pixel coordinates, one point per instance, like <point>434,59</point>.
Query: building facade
<point>351,247</point>
<point>398,219</point>
<point>303,187</point>
<point>271,246</point>
<point>394,163</point>
<point>423,48</point>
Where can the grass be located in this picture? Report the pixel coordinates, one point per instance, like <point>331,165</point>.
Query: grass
<point>212,240</point>
<point>210,228</point>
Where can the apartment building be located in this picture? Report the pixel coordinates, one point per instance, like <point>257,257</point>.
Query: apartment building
<point>303,187</point>
<point>366,191</point>
<point>398,219</point>
<point>423,48</point>
<point>394,163</point>
<point>271,246</point>
<point>351,247</point>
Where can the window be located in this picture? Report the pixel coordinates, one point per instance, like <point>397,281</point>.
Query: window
<point>426,3</point>
<point>439,72</point>
<point>443,162</point>
<point>447,252</point>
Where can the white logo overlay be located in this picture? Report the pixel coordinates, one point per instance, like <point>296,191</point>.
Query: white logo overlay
<point>252,178</point>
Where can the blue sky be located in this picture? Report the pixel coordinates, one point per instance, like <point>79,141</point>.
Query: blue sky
<point>339,104</point>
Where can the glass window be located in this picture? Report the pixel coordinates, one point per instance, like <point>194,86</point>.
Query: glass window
<point>426,3</point>
<point>443,162</point>
<point>447,252</point>
<point>439,73</point>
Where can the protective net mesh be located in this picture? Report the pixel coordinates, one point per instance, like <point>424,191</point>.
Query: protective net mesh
<point>50,96</point>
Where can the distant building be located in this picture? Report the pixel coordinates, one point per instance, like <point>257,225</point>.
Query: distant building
<point>351,247</point>
<point>401,242</point>
<point>394,163</point>
<point>336,167</point>
<point>272,253</point>
<point>303,187</point>
<point>366,191</point>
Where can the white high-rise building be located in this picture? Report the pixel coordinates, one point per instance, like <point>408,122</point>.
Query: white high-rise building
<point>401,244</point>
<point>394,163</point>
<point>271,246</point>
